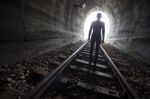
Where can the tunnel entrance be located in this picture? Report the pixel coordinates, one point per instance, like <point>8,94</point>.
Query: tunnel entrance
<point>92,17</point>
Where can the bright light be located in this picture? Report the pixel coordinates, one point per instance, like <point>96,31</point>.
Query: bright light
<point>92,17</point>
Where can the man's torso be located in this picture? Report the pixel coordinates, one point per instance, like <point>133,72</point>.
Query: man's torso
<point>97,27</point>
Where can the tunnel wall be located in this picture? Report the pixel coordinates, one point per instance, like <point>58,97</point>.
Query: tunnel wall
<point>29,27</point>
<point>131,32</point>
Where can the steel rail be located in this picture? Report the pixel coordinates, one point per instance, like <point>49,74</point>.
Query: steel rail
<point>120,76</point>
<point>49,79</point>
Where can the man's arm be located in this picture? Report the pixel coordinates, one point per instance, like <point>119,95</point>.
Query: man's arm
<point>103,32</point>
<point>90,31</point>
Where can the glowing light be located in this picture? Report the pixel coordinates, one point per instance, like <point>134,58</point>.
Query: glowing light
<point>92,17</point>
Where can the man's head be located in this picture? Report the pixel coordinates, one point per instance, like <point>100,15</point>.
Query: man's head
<point>99,15</point>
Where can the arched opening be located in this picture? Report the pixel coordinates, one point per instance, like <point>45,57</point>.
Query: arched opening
<point>92,17</point>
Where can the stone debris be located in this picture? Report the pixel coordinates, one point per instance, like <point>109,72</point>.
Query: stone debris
<point>136,72</point>
<point>20,76</point>
<point>9,93</point>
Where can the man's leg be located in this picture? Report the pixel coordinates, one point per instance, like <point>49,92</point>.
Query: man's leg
<point>96,53</point>
<point>91,52</point>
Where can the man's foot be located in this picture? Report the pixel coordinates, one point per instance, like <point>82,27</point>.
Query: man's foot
<point>94,67</point>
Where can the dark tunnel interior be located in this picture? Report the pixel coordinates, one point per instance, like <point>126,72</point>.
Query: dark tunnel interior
<point>31,27</point>
<point>35,26</point>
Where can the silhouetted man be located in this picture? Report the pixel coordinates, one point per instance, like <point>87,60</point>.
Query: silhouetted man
<point>97,29</point>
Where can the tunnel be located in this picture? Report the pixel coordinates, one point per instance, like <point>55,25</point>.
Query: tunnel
<point>31,27</point>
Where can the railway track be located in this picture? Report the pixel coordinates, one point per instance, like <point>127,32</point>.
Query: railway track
<point>74,79</point>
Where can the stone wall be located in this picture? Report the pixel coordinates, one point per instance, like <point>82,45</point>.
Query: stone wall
<point>36,26</point>
<point>131,33</point>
